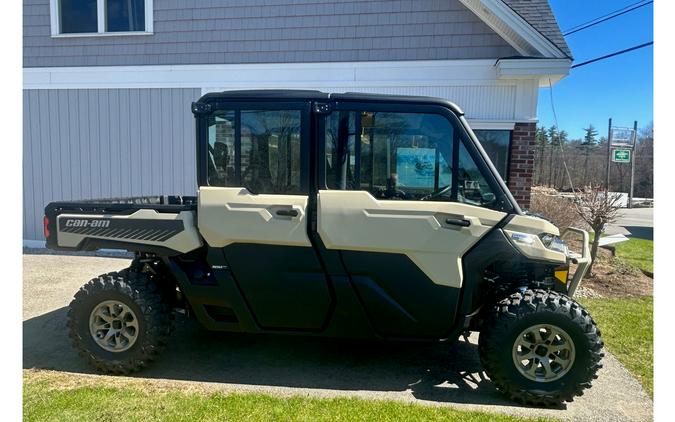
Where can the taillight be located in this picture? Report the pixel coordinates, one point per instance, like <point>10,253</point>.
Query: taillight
<point>45,222</point>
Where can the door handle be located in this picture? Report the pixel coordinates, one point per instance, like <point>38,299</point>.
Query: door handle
<point>458,222</point>
<point>288,212</point>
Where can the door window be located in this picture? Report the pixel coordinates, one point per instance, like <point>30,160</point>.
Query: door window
<point>221,163</point>
<point>270,151</point>
<point>472,188</point>
<point>263,154</point>
<point>401,155</point>
<point>340,150</point>
<point>405,156</point>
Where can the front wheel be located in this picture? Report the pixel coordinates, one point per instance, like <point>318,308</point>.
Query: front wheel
<point>540,347</point>
<point>119,322</point>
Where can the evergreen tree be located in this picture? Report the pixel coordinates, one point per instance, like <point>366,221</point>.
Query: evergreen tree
<point>589,143</point>
<point>590,137</point>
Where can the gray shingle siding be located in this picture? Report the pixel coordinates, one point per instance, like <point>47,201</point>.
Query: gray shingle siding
<point>274,31</point>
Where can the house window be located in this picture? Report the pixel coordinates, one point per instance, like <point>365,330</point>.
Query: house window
<point>78,16</point>
<point>71,18</point>
<point>124,15</point>
<point>497,145</point>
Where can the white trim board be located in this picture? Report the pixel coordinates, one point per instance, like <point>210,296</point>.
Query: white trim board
<point>491,125</point>
<point>547,70</point>
<point>289,75</point>
<point>503,90</point>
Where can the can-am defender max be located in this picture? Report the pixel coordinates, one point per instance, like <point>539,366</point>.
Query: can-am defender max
<point>342,215</point>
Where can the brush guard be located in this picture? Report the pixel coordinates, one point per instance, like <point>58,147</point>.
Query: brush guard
<point>582,260</point>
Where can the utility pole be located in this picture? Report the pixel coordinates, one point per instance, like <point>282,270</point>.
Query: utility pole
<point>632,165</point>
<point>609,153</point>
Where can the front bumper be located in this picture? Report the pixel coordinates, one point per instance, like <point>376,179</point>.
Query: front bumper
<point>582,260</point>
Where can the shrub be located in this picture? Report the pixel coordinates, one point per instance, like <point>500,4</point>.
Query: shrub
<point>559,210</point>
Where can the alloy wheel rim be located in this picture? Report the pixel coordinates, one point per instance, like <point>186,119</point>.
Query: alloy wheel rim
<point>543,353</point>
<point>113,326</point>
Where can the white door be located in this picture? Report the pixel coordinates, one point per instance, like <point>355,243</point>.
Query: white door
<point>253,208</point>
<point>403,199</point>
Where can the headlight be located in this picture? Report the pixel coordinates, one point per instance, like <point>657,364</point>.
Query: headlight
<point>553,242</point>
<point>524,238</point>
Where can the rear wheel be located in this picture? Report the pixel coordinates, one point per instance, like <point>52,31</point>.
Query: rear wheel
<point>540,347</point>
<point>119,322</point>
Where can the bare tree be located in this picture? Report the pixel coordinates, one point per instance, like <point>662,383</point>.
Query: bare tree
<point>597,209</point>
<point>542,139</point>
<point>553,139</point>
<point>644,162</point>
<point>559,180</point>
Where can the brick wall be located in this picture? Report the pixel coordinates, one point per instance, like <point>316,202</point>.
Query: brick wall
<point>521,169</point>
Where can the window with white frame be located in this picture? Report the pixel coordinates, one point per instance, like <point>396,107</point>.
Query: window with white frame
<point>100,17</point>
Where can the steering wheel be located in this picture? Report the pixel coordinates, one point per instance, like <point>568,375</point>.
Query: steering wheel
<point>435,194</point>
<point>399,194</point>
<point>388,194</point>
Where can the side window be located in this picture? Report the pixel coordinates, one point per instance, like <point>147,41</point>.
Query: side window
<point>340,150</point>
<point>220,163</point>
<point>402,156</point>
<point>406,155</point>
<point>393,155</point>
<point>270,151</point>
<point>472,188</point>
<point>265,158</point>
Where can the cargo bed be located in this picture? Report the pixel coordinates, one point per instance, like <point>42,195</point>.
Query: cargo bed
<point>164,225</point>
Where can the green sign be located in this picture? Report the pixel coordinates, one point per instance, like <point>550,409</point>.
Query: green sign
<point>621,155</point>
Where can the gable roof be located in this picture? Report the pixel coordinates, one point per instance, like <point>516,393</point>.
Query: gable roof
<point>531,30</point>
<point>538,13</point>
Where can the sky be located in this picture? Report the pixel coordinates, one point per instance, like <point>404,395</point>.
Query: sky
<point>620,87</point>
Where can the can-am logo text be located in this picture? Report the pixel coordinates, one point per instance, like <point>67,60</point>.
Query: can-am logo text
<point>87,223</point>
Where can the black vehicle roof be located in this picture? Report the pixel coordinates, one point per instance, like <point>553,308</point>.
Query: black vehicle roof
<point>306,94</point>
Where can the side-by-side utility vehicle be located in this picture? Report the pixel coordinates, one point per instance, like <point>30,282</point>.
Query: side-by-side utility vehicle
<point>340,215</point>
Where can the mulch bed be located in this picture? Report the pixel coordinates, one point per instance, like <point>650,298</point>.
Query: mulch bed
<point>612,277</point>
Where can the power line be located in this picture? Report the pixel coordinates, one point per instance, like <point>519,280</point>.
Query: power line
<point>606,17</point>
<point>603,16</point>
<point>613,54</point>
<point>560,144</point>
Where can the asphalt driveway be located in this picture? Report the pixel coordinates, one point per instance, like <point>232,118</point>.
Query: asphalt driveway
<point>434,374</point>
<point>634,222</point>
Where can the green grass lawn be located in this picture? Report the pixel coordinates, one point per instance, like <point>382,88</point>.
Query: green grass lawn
<point>638,252</point>
<point>628,331</point>
<point>45,402</point>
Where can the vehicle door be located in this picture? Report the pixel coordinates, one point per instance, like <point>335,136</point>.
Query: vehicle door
<point>403,196</point>
<point>253,204</point>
